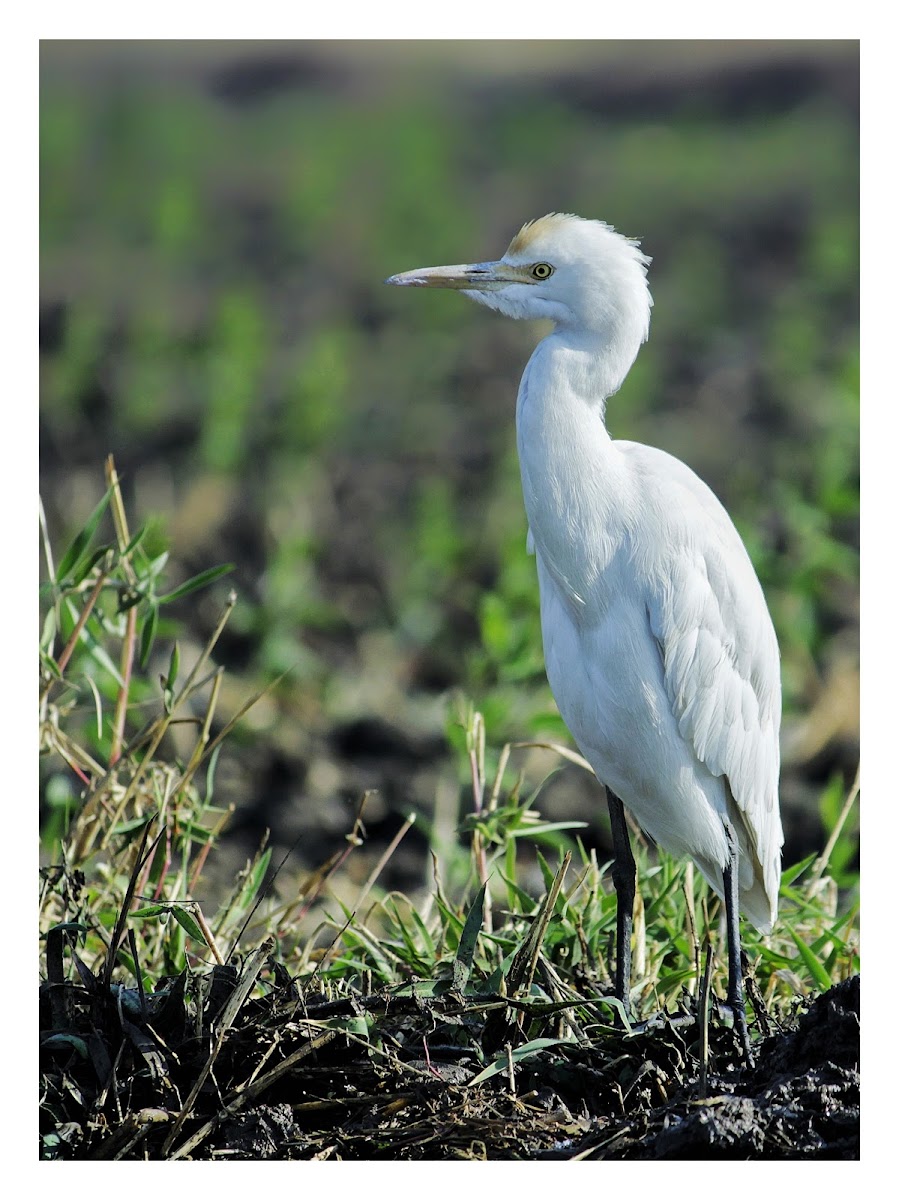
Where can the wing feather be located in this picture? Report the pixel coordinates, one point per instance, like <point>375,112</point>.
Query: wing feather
<point>721,666</point>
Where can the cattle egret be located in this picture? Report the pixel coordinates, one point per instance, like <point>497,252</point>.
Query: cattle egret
<point>658,643</point>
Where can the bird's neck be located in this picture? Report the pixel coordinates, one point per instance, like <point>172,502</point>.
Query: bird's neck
<point>577,491</point>
<point>567,382</point>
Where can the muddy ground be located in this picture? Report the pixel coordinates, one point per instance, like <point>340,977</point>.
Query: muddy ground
<point>191,1073</point>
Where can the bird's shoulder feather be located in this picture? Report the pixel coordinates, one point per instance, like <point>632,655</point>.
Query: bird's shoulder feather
<point>721,664</point>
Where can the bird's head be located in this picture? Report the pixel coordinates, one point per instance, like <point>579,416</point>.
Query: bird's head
<point>580,274</point>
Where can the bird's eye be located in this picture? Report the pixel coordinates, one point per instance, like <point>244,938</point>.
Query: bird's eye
<point>541,270</point>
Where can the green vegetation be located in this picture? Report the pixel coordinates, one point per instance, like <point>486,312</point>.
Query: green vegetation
<point>384,939</point>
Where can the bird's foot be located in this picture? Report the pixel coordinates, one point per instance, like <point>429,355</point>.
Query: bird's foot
<point>735,1010</point>
<point>664,1020</point>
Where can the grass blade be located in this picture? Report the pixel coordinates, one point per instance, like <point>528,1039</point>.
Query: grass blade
<point>82,540</point>
<point>464,959</point>
<point>195,582</point>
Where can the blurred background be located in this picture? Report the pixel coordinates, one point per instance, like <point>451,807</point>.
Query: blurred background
<point>216,223</point>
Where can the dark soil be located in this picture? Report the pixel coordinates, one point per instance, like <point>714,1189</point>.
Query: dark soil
<point>191,1072</point>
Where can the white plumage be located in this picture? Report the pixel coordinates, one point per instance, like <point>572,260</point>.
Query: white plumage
<point>659,647</point>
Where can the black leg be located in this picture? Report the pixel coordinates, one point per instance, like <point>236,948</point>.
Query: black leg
<point>624,876</point>
<point>735,999</point>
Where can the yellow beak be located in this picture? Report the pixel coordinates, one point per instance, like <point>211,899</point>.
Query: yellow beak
<point>463,277</point>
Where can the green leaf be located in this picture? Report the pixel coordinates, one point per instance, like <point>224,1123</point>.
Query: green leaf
<point>253,882</point>
<point>136,540</point>
<point>374,948</point>
<point>48,632</point>
<point>65,1041</point>
<point>360,1026</point>
<point>452,920</point>
<point>423,932</point>
<point>814,966</point>
<point>196,581</point>
<point>168,684</point>
<point>409,952</point>
<point>792,873</point>
<point>69,927</point>
<point>526,902</point>
<point>148,633</point>
<point>82,540</point>
<point>501,1063</point>
<point>468,941</point>
<point>174,663</point>
<point>157,564</point>
<point>210,776</point>
<point>529,831</point>
<point>546,870</point>
<point>83,568</point>
<point>494,981</point>
<point>188,923</point>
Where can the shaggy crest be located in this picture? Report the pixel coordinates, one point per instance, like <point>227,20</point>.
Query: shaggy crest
<point>554,222</point>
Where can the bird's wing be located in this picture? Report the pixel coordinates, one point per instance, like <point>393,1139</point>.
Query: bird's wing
<point>719,651</point>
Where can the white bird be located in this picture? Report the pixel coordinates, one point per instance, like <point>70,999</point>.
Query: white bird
<point>659,647</point>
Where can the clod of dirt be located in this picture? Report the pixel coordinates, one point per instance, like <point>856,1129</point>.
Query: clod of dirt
<point>800,1100</point>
